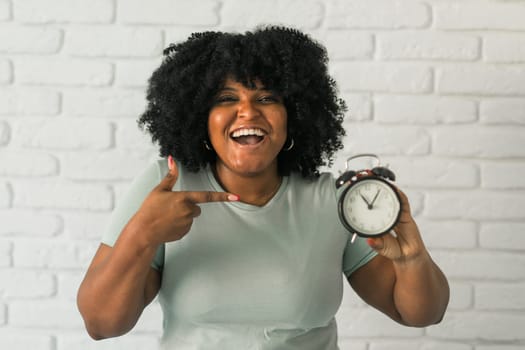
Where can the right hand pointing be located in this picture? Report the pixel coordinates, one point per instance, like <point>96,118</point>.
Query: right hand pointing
<point>167,215</point>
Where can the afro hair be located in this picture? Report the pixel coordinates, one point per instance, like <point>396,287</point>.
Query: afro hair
<point>181,92</point>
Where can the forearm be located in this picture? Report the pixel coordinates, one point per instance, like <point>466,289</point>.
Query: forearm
<point>113,293</point>
<point>421,291</point>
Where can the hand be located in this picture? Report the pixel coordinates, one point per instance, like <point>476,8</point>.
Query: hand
<point>167,215</point>
<point>407,244</point>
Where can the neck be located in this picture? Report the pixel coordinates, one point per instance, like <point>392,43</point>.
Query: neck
<point>254,189</point>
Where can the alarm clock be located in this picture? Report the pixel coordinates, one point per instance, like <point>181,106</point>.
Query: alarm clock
<point>368,204</point>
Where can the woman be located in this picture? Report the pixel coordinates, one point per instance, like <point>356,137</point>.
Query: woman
<point>235,229</point>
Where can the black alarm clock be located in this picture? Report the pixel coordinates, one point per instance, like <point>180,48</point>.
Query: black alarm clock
<point>368,204</point>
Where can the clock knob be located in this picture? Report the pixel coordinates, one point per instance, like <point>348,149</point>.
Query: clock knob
<point>384,172</point>
<point>344,178</point>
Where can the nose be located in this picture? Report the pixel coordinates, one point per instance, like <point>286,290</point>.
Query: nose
<point>247,109</point>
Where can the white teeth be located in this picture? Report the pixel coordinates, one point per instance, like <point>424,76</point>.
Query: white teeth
<point>248,132</point>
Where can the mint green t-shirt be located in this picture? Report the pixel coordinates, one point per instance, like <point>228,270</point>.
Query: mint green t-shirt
<point>248,277</point>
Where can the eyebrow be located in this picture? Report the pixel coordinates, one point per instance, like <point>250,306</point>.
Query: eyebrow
<point>229,88</point>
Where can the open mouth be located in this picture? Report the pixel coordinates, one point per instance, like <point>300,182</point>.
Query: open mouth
<point>250,136</point>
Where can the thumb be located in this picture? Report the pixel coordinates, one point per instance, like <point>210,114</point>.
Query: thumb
<point>171,177</point>
<point>385,245</point>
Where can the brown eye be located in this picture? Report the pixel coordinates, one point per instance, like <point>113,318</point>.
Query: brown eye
<point>225,99</point>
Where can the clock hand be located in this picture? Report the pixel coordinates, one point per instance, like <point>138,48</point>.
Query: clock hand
<point>366,201</point>
<point>373,200</point>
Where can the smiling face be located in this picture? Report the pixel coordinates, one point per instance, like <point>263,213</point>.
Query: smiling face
<point>247,129</point>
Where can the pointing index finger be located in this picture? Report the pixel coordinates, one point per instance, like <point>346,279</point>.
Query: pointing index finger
<point>210,196</point>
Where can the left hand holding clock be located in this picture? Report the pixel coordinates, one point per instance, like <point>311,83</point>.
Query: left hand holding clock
<point>407,244</point>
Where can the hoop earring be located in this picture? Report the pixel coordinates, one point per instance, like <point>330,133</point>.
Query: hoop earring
<point>206,145</point>
<point>291,145</point>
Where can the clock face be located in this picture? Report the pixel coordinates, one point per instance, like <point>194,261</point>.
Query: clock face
<point>370,207</point>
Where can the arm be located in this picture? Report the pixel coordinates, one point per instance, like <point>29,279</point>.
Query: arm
<point>120,283</point>
<point>402,281</point>
<point>117,287</point>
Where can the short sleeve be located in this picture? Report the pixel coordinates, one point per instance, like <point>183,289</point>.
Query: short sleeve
<point>356,255</point>
<point>128,206</point>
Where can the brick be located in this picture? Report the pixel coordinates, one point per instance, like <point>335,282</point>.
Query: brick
<point>21,284</point>
<point>4,133</point>
<point>461,296</point>
<point>6,75</point>
<point>506,48</point>
<point>357,45</point>
<point>433,172</point>
<point>477,205</point>
<point>423,109</point>
<point>63,134</point>
<point>503,111</point>
<point>22,340</point>
<point>501,296</point>
<point>27,164</point>
<point>296,13</point>
<point>427,46</point>
<point>105,165</point>
<point>484,80</point>
<point>382,77</point>
<point>417,345</point>
<point>197,13</point>
<point>60,71</point>
<point>499,347</point>
<point>61,195</point>
<point>502,235</point>
<point>84,225</point>
<point>504,266</point>
<point>5,253</point>
<point>131,73</point>
<point>30,223</point>
<point>114,42</point>
<point>110,103</point>
<point>3,315</point>
<point>29,314</point>
<point>369,322</point>
<point>67,284</point>
<point>30,40</point>
<point>131,138</point>
<point>381,14</point>
<point>473,16</point>
<point>454,234</point>
<point>180,33</point>
<point>53,254</point>
<point>350,343</point>
<point>368,138</point>
<point>64,11</point>
<point>5,12</point>
<point>474,141</point>
<point>359,106</point>
<point>6,195</point>
<point>129,342</point>
<point>29,102</point>
<point>485,326</point>
<point>503,175</point>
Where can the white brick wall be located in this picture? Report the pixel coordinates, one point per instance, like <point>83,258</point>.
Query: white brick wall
<point>437,87</point>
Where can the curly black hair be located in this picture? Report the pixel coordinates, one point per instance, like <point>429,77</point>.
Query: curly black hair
<point>286,61</point>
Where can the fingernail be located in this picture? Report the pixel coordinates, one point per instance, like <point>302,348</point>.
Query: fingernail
<point>233,197</point>
<point>170,162</point>
<point>370,242</point>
